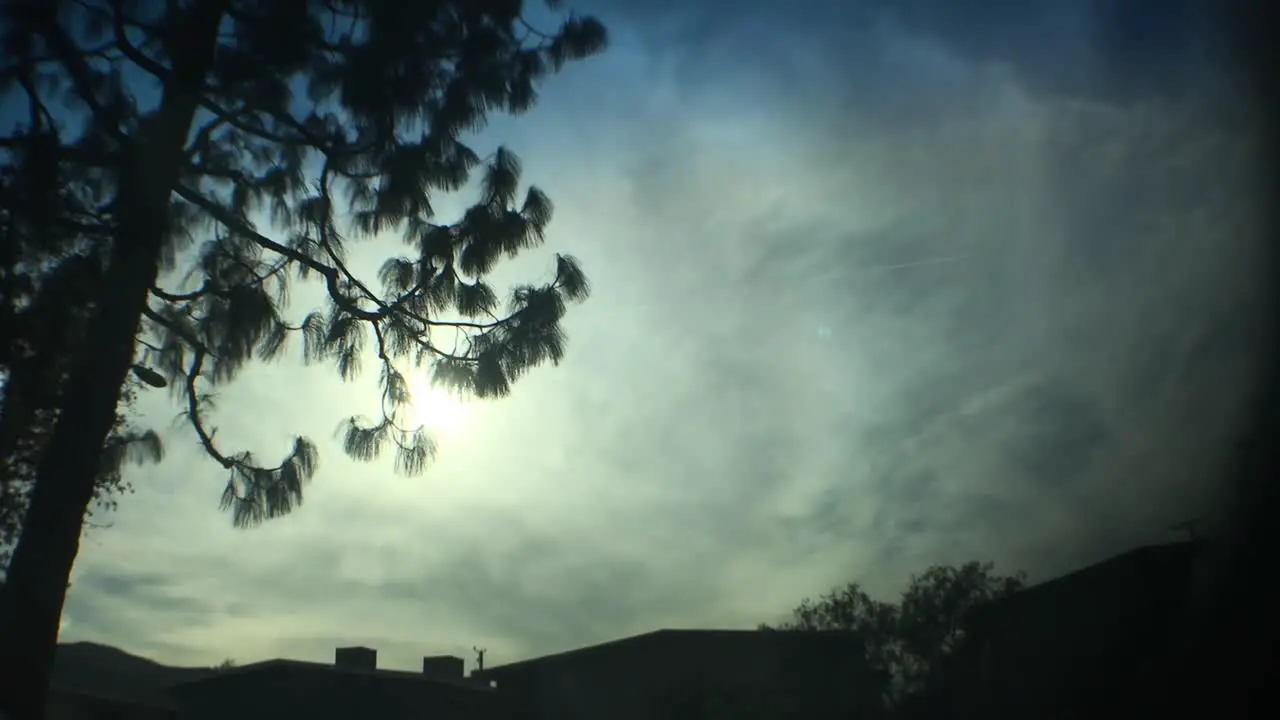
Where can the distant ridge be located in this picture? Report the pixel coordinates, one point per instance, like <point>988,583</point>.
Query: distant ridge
<point>106,671</point>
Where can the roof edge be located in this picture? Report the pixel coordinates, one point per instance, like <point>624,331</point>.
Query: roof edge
<point>980,613</point>
<point>326,667</point>
<point>498,669</point>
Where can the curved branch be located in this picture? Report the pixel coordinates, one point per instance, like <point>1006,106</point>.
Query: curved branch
<point>193,412</point>
<point>181,297</point>
<point>206,438</point>
<point>130,51</point>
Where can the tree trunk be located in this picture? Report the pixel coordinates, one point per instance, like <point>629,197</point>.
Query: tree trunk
<point>32,598</point>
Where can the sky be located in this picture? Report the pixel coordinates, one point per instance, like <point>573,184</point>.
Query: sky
<point>877,286</point>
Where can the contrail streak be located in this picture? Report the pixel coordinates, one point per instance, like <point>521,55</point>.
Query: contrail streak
<point>916,263</point>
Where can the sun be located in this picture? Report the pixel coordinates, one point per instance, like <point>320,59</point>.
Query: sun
<point>435,408</point>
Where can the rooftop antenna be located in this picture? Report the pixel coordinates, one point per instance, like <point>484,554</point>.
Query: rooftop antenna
<point>479,657</point>
<point>1187,526</point>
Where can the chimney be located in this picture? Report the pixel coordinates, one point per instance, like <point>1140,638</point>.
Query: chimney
<point>356,658</point>
<point>443,666</point>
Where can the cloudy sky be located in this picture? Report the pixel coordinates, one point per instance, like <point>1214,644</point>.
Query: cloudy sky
<point>874,289</point>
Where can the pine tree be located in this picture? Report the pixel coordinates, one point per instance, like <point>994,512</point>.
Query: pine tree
<point>41,333</point>
<point>337,120</point>
<point>47,292</point>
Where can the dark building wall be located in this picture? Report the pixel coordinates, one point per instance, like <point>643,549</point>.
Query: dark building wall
<point>77,706</point>
<point>1063,642</point>
<point>673,674</point>
<point>272,693</point>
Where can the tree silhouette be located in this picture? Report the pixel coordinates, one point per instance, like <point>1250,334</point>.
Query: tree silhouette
<point>279,133</point>
<point>932,610</point>
<point>908,639</point>
<point>46,302</point>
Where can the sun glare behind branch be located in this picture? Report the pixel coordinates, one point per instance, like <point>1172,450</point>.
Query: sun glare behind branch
<point>436,408</point>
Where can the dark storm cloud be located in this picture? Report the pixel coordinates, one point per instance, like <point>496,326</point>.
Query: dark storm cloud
<point>1116,51</point>
<point>1112,50</point>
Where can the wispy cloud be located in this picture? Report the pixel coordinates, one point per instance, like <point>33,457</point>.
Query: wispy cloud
<point>873,290</point>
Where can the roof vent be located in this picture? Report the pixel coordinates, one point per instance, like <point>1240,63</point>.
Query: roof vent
<point>443,666</point>
<point>356,658</point>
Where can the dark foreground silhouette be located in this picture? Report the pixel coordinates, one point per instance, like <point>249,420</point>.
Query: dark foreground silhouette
<point>1051,650</point>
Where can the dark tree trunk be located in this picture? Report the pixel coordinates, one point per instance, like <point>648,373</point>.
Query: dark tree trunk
<point>32,599</point>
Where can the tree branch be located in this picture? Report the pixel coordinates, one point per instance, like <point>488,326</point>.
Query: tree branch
<point>193,412</point>
<point>235,121</point>
<point>182,333</point>
<point>135,55</point>
<point>181,297</point>
<point>202,136</point>
<point>81,75</point>
<point>241,227</point>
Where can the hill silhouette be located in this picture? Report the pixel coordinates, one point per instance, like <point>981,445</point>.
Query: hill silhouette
<point>106,671</point>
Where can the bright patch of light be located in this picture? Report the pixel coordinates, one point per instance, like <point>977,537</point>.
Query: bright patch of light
<point>435,408</point>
